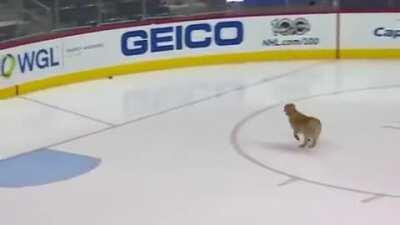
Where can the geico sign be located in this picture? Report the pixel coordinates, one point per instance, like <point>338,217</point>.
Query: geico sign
<point>169,38</point>
<point>387,32</point>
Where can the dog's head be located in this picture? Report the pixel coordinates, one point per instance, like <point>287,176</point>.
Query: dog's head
<point>289,109</point>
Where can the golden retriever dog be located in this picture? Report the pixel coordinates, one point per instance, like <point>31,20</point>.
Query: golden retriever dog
<point>309,127</point>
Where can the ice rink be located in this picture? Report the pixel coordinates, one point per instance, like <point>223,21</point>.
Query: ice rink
<point>206,146</point>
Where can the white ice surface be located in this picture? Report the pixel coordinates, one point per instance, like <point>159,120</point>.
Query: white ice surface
<point>180,167</point>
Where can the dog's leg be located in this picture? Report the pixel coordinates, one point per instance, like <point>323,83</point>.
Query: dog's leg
<point>314,142</point>
<point>304,143</point>
<point>296,135</point>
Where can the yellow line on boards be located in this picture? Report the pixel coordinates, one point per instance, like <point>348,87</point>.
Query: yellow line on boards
<point>370,53</point>
<point>154,65</point>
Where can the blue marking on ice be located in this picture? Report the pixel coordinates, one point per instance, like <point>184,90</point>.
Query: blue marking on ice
<point>43,167</point>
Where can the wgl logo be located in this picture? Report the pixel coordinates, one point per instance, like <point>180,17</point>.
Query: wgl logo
<point>28,61</point>
<point>171,38</point>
